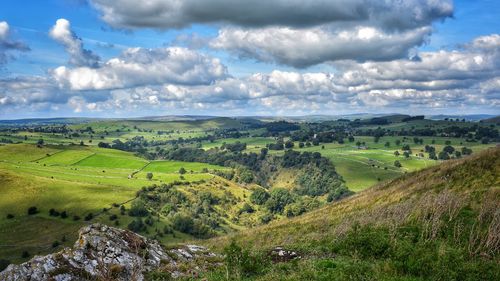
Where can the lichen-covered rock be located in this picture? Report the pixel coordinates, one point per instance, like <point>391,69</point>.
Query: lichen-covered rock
<point>106,253</point>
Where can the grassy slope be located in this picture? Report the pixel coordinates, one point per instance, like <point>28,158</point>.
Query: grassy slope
<point>77,179</point>
<point>455,193</point>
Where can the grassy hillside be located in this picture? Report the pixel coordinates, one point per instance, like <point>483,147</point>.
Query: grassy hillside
<point>442,223</point>
<point>78,180</point>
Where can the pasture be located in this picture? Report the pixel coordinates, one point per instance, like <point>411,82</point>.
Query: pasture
<point>76,179</point>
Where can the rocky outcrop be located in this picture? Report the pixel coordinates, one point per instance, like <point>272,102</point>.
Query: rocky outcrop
<point>106,253</point>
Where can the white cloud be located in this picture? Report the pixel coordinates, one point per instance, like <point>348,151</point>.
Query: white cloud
<point>178,80</point>
<point>139,66</point>
<point>7,44</point>
<point>293,32</point>
<point>62,33</point>
<point>4,30</point>
<point>305,47</point>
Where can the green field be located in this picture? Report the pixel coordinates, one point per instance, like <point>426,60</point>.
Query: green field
<point>75,179</point>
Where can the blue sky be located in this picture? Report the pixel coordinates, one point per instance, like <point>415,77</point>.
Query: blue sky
<point>198,59</point>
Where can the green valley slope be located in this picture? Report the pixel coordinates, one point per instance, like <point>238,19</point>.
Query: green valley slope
<point>441,223</point>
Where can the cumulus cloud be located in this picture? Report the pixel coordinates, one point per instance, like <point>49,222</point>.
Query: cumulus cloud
<point>294,32</point>
<point>168,80</point>
<point>318,45</point>
<point>7,44</point>
<point>389,14</point>
<point>79,56</point>
<point>139,66</point>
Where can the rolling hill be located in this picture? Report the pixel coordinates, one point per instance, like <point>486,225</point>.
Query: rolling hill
<point>441,223</point>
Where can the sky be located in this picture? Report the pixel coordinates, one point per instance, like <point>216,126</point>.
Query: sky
<point>129,58</point>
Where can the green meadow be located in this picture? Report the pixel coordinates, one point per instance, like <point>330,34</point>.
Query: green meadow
<point>76,179</point>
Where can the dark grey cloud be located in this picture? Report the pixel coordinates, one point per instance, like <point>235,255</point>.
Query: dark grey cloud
<point>296,33</point>
<point>389,14</point>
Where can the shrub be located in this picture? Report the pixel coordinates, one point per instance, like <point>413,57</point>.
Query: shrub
<point>88,217</point>
<point>55,244</point>
<point>183,223</point>
<point>3,264</point>
<point>76,218</point>
<point>240,263</point>
<point>279,198</point>
<point>138,209</point>
<point>32,210</point>
<point>136,225</point>
<point>246,209</point>
<point>25,255</point>
<point>53,213</point>
<point>113,217</point>
<point>64,214</point>
<point>10,216</point>
<point>259,196</point>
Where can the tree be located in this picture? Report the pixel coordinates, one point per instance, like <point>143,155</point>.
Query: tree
<point>182,171</point>
<point>397,164</point>
<point>259,196</point>
<point>387,144</point>
<point>32,210</point>
<point>183,223</point>
<point>396,153</point>
<point>301,145</point>
<point>406,154</point>
<point>138,209</point>
<point>449,149</point>
<point>289,144</point>
<point>149,176</point>
<point>443,155</point>
<point>278,200</point>
<point>351,138</point>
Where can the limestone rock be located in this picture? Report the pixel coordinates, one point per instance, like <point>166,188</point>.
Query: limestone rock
<point>107,253</point>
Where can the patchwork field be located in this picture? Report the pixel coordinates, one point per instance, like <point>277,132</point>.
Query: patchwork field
<point>75,179</point>
<point>369,165</point>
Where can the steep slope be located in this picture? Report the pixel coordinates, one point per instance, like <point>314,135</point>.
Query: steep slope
<point>442,223</point>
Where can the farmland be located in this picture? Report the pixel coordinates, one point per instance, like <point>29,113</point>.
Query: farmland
<point>154,176</point>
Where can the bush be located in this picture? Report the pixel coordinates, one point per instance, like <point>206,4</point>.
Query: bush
<point>88,217</point>
<point>240,263</point>
<point>113,217</point>
<point>55,244</point>
<point>53,213</point>
<point>246,209</point>
<point>3,264</point>
<point>183,223</point>
<point>25,255</point>
<point>64,214</point>
<point>259,196</point>
<point>32,210</point>
<point>136,225</point>
<point>279,198</point>
<point>76,218</point>
<point>10,216</point>
<point>138,209</point>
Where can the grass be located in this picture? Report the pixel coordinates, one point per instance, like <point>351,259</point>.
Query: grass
<point>76,179</point>
<point>417,227</point>
<point>174,166</point>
